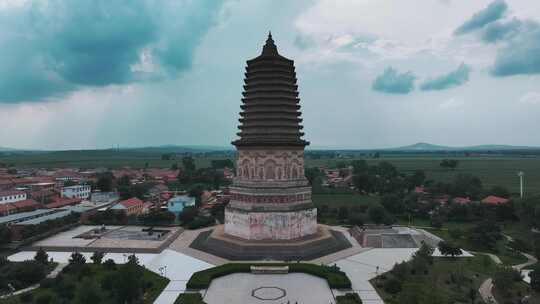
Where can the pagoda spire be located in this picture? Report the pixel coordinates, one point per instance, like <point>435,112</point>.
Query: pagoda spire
<point>270,48</point>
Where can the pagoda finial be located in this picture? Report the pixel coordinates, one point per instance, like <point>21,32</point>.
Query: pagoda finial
<point>270,48</point>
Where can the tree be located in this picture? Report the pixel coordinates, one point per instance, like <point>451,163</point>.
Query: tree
<point>359,166</point>
<point>499,191</point>
<point>105,181</point>
<point>392,286</point>
<point>129,283</point>
<point>5,235</point>
<point>97,257</point>
<point>447,248</point>
<point>486,234</point>
<point>188,214</point>
<point>189,164</point>
<point>88,292</point>
<point>449,163</point>
<point>504,279</point>
<point>109,264</point>
<point>392,203</point>
<point>41,257</point>
<point>466,185</point>
<point>535,278</point>
<point>77,261</point>
<point>377,213</point>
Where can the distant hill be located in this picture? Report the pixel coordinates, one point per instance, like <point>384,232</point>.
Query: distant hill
<point>431,147</point>
<point>4,149</point>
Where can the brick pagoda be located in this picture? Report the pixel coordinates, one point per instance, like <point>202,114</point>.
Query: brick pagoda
<point>270,215</point>
<point>270,196</point>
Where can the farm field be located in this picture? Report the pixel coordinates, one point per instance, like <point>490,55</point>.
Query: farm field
<point>492,170</point>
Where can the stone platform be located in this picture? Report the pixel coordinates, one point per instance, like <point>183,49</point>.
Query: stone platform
<point>326,241</point>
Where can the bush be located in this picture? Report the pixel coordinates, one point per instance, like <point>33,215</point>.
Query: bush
<point>349,298</point>
<point>47,283</point>
<point>109,264</point>
<point>336,278</point>
<point>189,298</point>
<point>392,286</point>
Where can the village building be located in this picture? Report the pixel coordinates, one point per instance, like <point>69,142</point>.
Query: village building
<point>12,196</point>
<point>131,206</point>
<point>77,191</point>
<point>495,200</point>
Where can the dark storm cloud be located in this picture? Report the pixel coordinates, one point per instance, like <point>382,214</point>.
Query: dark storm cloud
<point>393,82</point>
<point>491,13</point>
<point>520,53</point>
<point>453,79</point>
<point>500,30</point>
<point>50,48</point>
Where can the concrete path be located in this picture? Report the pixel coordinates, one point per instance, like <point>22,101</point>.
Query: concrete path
<point>365,266</point>
<point>485,291</point>
<point>53,274</point>
<point>531,260</point>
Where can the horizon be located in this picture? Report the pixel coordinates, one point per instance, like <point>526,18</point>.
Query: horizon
<point>176,77</point>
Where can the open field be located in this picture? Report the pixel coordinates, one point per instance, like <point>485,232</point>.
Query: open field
<point>492,170</point>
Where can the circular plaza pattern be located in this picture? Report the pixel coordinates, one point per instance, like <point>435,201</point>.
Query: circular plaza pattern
<point>268,293</point>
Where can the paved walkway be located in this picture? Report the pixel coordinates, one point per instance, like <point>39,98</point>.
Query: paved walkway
<point>486,287</point>
<point>51,275</point>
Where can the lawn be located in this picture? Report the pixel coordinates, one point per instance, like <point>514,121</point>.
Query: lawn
<point>448,279</point>
<point>507,255</point>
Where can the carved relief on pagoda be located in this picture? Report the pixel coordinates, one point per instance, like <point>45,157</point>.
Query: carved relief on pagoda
<point>270,165</point>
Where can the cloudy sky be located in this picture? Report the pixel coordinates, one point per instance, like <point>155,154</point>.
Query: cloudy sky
<point>372,73</point>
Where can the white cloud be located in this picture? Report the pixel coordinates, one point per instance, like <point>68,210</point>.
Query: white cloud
<point>452,103</point>
<point>532,98</point>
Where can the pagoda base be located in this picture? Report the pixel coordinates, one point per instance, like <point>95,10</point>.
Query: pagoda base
<point>324,242</point>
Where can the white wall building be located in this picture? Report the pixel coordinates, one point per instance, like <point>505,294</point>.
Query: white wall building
<point>77,191</point>
<point>11,196</point>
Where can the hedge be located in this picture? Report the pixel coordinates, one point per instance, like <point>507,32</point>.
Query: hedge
<point>349,298</point>
<point>336,279</point>
<point>189,298</point>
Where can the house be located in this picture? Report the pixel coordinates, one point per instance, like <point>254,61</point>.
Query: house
<point>26,205</point>
<point>131,206</point>
<point>177,204</point>
<point>7,209</point>
<point>60,202</point>
<point>495,200</point>
<point>12,196</point>
<point>461,200</point>
<point>77,191</point>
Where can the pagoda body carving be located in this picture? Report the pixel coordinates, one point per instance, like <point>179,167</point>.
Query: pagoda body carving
<point>270,195</point>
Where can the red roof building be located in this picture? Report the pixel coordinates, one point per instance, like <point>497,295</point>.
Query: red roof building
<point>26,205</point>
<point>461,200</point>
<point>131,206</point>
<point>7,209</point>
<point>495,200</point>
<point>63,201</point>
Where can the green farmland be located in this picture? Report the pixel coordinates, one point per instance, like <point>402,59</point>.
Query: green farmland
<point>492,171</point>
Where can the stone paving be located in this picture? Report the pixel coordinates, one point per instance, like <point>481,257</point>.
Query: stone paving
<point>245,288</point>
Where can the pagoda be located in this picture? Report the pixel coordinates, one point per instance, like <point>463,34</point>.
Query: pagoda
<point>270,215</point>
<point>270,196</point>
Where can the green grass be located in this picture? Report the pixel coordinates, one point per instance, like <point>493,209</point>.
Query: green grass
<point>451,278</point>
<point>507,255</point>
<point>336,279</point>
<point>492,171</point>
